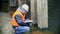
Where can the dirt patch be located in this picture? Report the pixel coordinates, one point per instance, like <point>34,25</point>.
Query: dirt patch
<point>39,32</point>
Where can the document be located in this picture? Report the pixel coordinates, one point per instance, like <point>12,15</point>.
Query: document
<point>27,20</point>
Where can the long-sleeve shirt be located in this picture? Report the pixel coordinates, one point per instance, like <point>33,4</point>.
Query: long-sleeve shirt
<point>18,18</point>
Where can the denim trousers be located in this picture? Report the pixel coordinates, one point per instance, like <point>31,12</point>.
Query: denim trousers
<point>22,29</point>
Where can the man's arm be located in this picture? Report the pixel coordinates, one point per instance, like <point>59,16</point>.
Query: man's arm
<point>18,18</point>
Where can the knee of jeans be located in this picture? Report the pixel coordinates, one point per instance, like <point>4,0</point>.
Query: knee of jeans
<point>19,27</point>
<point>27,29</point>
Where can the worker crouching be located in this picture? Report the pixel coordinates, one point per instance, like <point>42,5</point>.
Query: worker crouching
<point>18,20</point>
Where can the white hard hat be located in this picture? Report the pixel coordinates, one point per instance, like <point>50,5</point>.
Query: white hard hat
<point>25,6</point>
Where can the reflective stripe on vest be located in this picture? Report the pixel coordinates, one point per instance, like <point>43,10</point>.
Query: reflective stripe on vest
<point>14,22</point>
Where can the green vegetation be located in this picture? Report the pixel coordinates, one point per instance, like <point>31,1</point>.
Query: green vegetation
<point>0,29</point>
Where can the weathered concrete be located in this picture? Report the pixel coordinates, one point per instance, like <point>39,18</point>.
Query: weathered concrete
<point>33,11</point>
<point>6,23</point>
<point>20,2</point>
<point>42,13</point>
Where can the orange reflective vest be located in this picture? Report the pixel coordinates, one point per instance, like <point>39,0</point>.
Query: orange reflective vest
<point>14,22</point>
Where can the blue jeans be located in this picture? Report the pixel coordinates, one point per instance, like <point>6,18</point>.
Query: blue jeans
<point>22,29</point>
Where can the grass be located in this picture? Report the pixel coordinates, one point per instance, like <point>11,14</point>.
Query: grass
<point>0,29</point>
<point>36,30</point>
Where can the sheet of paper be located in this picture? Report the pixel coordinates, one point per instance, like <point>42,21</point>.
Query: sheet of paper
<point>26,21</point>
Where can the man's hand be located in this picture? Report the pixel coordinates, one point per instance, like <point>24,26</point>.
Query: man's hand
<point>28,21</point>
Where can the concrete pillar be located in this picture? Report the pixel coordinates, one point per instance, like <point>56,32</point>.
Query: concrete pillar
<point>42,13</point>
<point>33,10</point>
<point>20,2</point>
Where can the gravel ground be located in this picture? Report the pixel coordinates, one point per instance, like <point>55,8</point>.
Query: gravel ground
<point>5,21</point>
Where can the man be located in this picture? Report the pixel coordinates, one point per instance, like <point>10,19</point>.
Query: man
<point>18,20</point>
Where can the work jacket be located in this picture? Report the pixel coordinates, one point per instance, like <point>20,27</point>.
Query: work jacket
<point>14,22</point>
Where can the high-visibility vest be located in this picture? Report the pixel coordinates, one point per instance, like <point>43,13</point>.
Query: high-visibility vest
<point>14,22</point>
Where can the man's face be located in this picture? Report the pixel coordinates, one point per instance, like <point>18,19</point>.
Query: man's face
<point>24,12</point>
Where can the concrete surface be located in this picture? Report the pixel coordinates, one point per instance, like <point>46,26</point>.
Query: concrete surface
<point>5,21</point>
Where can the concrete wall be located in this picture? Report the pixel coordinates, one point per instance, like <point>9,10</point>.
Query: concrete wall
<point>20,2</point>
<point>42,13</point>
<point>39,12</point>
<point>33,11</point>
<point>5,19</point>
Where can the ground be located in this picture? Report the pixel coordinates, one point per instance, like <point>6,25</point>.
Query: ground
<point>5,22</point>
